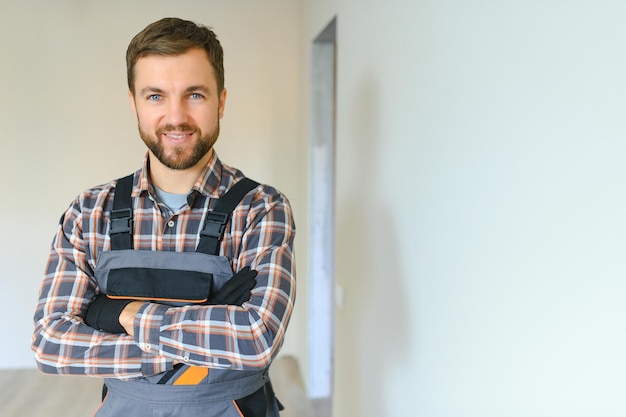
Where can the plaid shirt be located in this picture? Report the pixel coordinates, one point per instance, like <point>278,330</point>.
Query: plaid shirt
<point>260,235</point>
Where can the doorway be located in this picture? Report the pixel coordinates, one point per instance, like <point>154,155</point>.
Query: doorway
<point>322,220</point>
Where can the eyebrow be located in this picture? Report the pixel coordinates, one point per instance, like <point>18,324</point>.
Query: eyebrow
<point>200,88</point>
<point>156,90</point>
<point>147,90</point>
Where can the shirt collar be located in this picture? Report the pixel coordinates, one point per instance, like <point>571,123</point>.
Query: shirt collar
<point>208,183</point>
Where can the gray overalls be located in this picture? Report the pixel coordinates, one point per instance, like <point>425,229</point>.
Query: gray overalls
<point>178,278</point>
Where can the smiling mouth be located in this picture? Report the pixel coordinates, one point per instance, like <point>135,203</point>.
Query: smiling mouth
<point>178,138</point>
<point>178,135</point>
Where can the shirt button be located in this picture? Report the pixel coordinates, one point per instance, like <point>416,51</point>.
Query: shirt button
<point>186,358</point>
<point>171,223</point>
<point>148,347</point>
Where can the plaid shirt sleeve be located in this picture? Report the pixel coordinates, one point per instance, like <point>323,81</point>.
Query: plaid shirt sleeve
<point>237,337</point>
<point>62,343</point>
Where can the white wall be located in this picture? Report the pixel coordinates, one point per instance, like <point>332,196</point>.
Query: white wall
<point>66,123</point>
<point>481,206</point>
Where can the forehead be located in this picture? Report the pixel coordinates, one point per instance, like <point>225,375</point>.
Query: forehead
<point>189,68</point>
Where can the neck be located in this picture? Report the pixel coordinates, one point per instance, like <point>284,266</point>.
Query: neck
<point>176,181</point>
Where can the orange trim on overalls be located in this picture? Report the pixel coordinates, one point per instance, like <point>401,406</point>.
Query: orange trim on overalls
<point>192,376</point>
<point>102,403</point>
<point>237,408</point>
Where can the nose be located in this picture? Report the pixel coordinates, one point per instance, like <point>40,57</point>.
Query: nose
<point>176,113</point>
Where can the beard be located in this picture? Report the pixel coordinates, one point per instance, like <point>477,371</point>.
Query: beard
<point>180,157</point>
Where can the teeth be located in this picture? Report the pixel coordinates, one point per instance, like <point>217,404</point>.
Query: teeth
<point>176,136</point>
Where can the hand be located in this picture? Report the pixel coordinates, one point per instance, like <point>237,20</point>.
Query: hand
<point>103,314</point>
<point>236,290</point>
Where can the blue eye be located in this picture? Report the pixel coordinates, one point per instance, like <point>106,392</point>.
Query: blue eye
<point>154,97</point>
<point>196,96</point>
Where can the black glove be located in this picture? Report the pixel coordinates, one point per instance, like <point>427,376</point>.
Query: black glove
<point>104,314</point>
<point>236,290</point>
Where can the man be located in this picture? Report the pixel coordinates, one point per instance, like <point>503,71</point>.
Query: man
<point>173,284</point>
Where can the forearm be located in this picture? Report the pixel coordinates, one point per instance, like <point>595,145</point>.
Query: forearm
<point>84,355</point>
<point>127,317</point>
<point>207,336</point>
<point>64,344</point>
<point>237,337</point>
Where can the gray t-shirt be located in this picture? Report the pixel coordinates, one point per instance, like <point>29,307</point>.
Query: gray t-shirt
<point>173,201</point>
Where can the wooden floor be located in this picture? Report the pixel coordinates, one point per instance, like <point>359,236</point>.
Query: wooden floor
<point>28,393</point>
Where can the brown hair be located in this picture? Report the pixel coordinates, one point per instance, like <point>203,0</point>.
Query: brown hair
<point>172,36</point>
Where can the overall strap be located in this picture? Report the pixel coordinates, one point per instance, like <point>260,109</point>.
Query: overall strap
<point>214,224</point>
<point>216,219</point>
<point>121,231</point>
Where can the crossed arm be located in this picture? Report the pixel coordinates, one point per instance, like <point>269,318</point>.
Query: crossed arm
<point>225,336</point>
<point>117,315</point>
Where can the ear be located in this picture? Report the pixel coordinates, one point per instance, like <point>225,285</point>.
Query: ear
<point>222,103</point>
<point>131,97</point>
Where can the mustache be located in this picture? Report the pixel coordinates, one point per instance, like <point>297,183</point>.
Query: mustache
<point>179,128</point>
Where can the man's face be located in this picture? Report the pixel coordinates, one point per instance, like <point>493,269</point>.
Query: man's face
<point>178,107</point>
